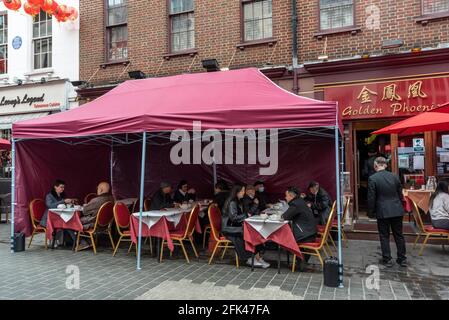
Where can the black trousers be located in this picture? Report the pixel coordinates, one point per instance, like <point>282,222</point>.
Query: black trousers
<point>395,225</point>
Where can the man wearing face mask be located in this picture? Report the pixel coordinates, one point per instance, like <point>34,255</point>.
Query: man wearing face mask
<point>261,195</point>
<point>250,202</point>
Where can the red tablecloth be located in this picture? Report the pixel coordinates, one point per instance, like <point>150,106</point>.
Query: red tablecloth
<point>160,229</point>
<point>55,222</point>
<point>283,237</point>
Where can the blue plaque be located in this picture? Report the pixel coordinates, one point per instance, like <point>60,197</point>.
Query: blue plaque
<point>17,42</point>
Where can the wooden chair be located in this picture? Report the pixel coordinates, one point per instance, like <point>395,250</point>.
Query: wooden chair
<point>314,248</point>
<point>89,197</point>
<point>187,234</point>
<point>220,241</point>
<point>103,223</point>
<point>122,218</point>
<point>428,231</point>
<point>37,210</point>
<point>334,226</point>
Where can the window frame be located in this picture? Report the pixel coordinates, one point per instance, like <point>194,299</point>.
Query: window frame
<point>269,40</point>
<point>339,29</point>
<point>170,51</point>
<point>40,38</point>
<point>107,29</point>
<point>5,44</point>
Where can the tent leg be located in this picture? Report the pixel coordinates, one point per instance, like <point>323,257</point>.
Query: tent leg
<point>13,190</point>
<point>337,177</point>
<point>142,186</point>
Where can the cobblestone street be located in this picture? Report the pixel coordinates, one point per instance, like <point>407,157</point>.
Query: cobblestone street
<point>41,274</point>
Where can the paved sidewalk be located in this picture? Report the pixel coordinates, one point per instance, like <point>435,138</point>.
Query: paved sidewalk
<point>41,274</point>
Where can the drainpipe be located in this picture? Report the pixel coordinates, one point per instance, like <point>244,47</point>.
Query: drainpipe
<point>295,46</point>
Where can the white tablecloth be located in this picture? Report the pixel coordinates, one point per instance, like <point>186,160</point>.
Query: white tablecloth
<point>65,214</point>
<point>265,226</point>
<point>150,218</point>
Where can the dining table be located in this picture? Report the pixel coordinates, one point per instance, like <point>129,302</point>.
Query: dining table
<point>159,223</point>
<point>63,219</point>
<point>258,230</point>
<point>419,196</point>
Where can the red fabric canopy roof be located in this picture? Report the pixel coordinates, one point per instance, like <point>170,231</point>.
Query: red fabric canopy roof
<point>5,144</point>
<point>428,121</point>
<point>242,98</point>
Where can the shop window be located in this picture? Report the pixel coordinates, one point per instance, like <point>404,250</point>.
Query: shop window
<point>42,41</point>
<point>430,7</point>
<point>182,25</point>
<point>411,161</point>
<point>336,14</point>
<point>3,43</point>
<point>257,20</point>
<point>117,30</point>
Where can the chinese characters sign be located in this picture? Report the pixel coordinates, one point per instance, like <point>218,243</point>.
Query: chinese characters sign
<point>389,99</point>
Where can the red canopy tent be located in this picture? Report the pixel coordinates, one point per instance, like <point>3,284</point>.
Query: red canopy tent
<point>81,144</point>
<point>5,144</point>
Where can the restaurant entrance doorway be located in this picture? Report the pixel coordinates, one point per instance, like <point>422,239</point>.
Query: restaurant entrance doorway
<point>366,148</point>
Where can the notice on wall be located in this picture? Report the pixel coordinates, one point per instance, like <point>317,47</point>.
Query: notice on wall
<point>403,161</point>
<point>445,141</point>
<point>418,162</point>
<point>418,145</point>
<point>444,157</point>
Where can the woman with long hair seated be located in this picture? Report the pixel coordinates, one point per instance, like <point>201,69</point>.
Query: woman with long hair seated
<point>439,206</point>
<point>232,225</point>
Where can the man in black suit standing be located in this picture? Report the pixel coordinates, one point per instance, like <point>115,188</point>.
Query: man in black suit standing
<point>385,204</point>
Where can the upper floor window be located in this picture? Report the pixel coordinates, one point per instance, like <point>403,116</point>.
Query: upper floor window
<point>3,43</point>
<point>336,14</point>
<point>117,30</point>
<point>435,6</point>
<point>257,20</point>
<point>182,25</point>
<point>42,41</point>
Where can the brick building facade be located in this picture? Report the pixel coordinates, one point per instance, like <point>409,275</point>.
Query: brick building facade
<point>361,43</point>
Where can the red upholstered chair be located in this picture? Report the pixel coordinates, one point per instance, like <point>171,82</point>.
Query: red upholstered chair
<point>428,231</point>
<point>37,210</point>
<point>122,218</point>
<point>89,197</point>
<point>314,248</point>
<point>220,241</point>
<point>182,235</point>
<point>103,222</point>
<point>146,204</point>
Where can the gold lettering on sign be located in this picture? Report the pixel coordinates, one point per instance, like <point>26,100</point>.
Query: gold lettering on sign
<point>390,93</point>
<point>415,90</point>
<point>364,95</point>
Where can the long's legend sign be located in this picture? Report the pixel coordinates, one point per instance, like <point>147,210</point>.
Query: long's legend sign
<point>389,99</point>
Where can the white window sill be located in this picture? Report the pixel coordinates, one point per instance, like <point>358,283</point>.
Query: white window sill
<point>39,72</point>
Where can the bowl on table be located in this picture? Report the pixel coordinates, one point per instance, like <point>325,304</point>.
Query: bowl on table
<point>61,206</point>
<point>184,206</point>
<point>264,215</point>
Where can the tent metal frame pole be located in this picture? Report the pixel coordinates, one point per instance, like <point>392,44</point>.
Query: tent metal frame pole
<point>338,207</point>
<point>13,189</point>
<point>142,186</point>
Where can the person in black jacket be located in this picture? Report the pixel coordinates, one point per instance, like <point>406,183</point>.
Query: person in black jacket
<point>232,226</point>
<point>162,199</point>
<point>261,195</point>
<point>250,202</point>
<point>183,193</point>
<point>221,194</point>
<point>385,203</point>
<point>320,202</point>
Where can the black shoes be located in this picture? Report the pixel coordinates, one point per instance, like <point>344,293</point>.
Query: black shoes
<point>402,263</point>
<point>388,263</point>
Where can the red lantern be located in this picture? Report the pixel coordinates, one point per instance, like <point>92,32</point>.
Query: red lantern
<point>72,13</point>
<point>49,6</point>
<point>31,9</point>
<point>61,13</point>
<point>36,2</point>
<point>12,4</point>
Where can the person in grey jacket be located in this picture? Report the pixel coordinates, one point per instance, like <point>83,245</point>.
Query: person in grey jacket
<point>439,206</point>
<point>385,204</point>
<point>55,197</point>
<point>232,226</point>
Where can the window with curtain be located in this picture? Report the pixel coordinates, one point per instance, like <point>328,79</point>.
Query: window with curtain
<point>435,6</point>
<point>117,30</point>
<point>257,20</point>
<point>335,14</point>
<point>182,25</point>
<point>3,43</point>
<point>42,41</point>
